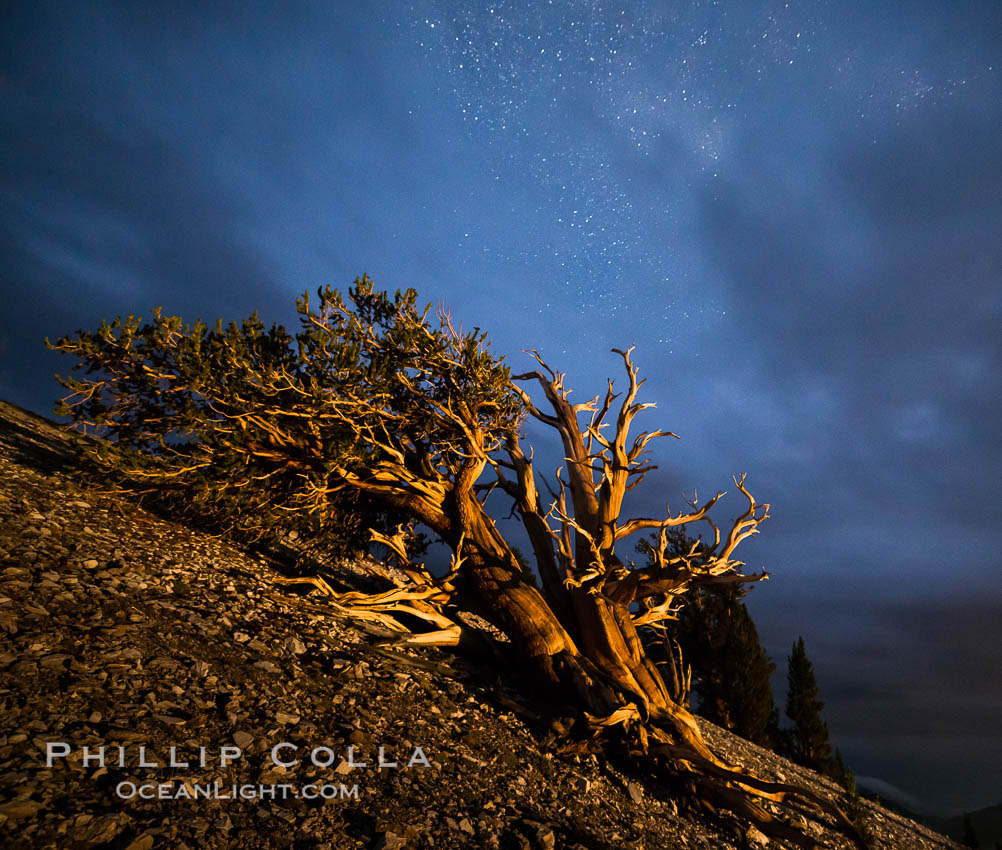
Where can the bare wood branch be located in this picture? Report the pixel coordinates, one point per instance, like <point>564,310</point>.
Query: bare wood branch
<point>634,525</point>
<point>746,525</point>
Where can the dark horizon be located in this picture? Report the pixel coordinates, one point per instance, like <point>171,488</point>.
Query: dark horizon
<point>790,208</point>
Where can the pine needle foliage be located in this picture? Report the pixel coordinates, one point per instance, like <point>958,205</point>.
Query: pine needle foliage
<point>808,740</point>
<point>250,430</point>
<point>854,808</point>
<point>736,690</point>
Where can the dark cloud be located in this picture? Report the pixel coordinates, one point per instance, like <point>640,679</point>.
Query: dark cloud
<point>875,305</point>
<point>793,212</point>
<point>96,225</point>
<point>118,192</point>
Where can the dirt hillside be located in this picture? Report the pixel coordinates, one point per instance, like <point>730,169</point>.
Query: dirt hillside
<point>122,630</point>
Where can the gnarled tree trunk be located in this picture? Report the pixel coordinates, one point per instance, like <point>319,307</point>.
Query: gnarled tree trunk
<point>581,636</point>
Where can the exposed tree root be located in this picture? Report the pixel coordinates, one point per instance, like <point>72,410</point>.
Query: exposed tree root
<point>418,595</point>
<point>670,739</point>
<point>739,792</point>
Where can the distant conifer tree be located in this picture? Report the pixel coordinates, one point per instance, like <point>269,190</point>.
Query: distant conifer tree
<point>852,803</point>
<point>734,671</point>
<point>970,836</point>
<point>731,670</point>
<point>840,772</point>
<point>808,740</point>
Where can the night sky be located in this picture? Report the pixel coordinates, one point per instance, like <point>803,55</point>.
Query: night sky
<point>794,210</point>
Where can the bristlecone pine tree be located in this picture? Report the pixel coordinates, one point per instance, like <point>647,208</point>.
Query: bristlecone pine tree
<point>378,399</point>
<point>808,739</point>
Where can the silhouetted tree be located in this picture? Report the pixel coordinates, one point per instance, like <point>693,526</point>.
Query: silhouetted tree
<point>808,739</point>
<point>374,398</point>
<point>840,772</point>
<point>970,838</point>
<point>853,806</point>
<point>736,689</point>
<point>730,670</point>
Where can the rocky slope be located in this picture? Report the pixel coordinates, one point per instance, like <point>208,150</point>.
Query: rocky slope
<point>119,629</point>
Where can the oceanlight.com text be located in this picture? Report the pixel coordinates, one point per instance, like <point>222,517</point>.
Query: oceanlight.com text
<point>220,791</point>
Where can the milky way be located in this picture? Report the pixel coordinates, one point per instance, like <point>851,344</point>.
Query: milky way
<point>614,113</point>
